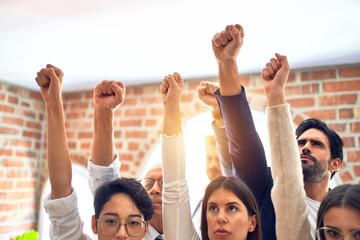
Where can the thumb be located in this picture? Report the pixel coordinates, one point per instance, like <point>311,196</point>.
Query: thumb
<point>283,60</point>
<point>119,90</point>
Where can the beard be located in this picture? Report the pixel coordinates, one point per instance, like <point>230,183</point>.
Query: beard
<point>316,172</point>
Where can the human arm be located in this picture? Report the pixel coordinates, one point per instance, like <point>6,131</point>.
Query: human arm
<point>206,91</point>
<point>65,223</point>
<point>104,164</point>
<point>288,194</point>
<point>245,147</point>
<point>177,222</point>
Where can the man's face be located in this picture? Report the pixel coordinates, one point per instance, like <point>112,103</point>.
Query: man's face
<point>155,192</point>
<point>315,155</point>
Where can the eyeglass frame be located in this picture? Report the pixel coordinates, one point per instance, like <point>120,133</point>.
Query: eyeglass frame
<point>333,229</point>
<point>101,220</point>
<point>159,181</point>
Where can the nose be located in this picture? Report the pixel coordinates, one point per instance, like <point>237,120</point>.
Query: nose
<point>306,148</point>
<point>121,233</point>
<point>221,219</point>
<point>156,189</point>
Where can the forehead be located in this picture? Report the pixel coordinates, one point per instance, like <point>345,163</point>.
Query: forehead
<point>121,206</point>
<point>335,216</point>
<point>155,172</point>
<point>316,134</point>
<point>223,196</point>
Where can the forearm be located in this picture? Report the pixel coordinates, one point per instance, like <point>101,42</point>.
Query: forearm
<point>287,194</point>
<point>229,78</point>
<point>103,151</point>
<point>59,162</point>
<point>222,147</point>
<point>172,119</point>
<point>245,147</point>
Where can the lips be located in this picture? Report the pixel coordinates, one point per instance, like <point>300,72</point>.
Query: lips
<point>221,231</point>
<point>304,157</point>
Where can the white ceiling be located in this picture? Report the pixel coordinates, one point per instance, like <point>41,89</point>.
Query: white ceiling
<point>140,41</point>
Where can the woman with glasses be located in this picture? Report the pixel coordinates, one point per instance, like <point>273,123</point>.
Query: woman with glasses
<point>339,214</point>
<point>122,207</point>
<point>229,208</point>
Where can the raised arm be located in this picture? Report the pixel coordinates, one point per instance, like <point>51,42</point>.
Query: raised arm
<point>245,147</point>
<point>177,222</point>
<point>288,194</point>
<point>49,80</point>
<point>206,93</point>
<point>103,165</point>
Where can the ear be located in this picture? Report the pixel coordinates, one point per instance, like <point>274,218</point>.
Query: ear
<point>253,223</point>
<point>335,164</point>
<point>94,224</point>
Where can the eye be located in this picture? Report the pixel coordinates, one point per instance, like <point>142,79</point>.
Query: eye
<point>212,208</point>
<point>301,143</point>
<point>133,223</point>
<point>232,208</point>
<point>333,233</point>
<point>111,222</point>
<point>356,235</point>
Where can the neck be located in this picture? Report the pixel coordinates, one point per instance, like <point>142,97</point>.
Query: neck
<point>157,224</point>
<point>317,190</point>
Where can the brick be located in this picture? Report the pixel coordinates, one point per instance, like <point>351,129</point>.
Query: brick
<point>132,146</point>
<point>151,100</point>
<point>130,101</point>
<point>13,163</point>
<point>150,122</point>
<point>303,89</point>
<point>349,72</point>
<point>31,134</point>
<point>79,105</point>
<point>322,114</point>
<point>156,112</point>
<point>318,74</point>
<point>34,125</point>
<point>349,142</point>
<point>357,170</point>
<point>136,134</point>
<point>136,112</point>
<point>9,131</point>
<point>353,156</point>
<point>26,113</point>
<point>335,100</point>
<point>13,100</point>
<point>355,127</point>
<point>340,86</point>
<point>13,121</point>
<point>301,102</point>
<point>346,176</point>
<point>346,113</point>
<point>126,157</point>
<point>131,122</point>
<point>6,109</point>
<point>75,115</point>
<point>84,135</point>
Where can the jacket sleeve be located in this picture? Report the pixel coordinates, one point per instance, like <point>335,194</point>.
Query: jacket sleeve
<point>177,222</point>
<point>245,147</point>
<point>288,194</point>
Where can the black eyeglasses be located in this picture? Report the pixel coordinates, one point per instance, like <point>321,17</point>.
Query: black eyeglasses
<point>148,183</point>
<point>329,233</point>
<point>133,226</point>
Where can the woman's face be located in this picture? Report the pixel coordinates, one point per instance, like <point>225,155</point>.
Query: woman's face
<point>342,221</point>
<point>120,209</point>
<point>227,217</point>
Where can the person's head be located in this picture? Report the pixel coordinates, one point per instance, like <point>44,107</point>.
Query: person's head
<point>213,168</point>
<point>321,149</point>
<point>229,210</point>
<point>339,214</point>
<point>119,202</point>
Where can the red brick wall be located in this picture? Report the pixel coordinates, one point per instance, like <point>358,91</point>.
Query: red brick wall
<point>329,93</point>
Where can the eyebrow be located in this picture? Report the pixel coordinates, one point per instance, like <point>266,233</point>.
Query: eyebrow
<point>313,141</point>
<point>117,215</point>
<point>227,204</point>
